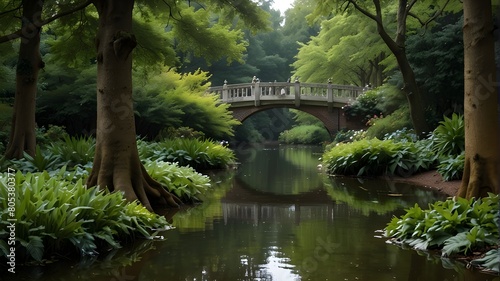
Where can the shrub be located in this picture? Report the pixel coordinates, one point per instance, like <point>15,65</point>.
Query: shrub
<point>181,132</point>
<point>449,138</point>
<point>364,106</point>
<point>375,157</point>
<point>455,226</point>
<point>397,120</point>
<point>57,216</point>
<point>305,134</point>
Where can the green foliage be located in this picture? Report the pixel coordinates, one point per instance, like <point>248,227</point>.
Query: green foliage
<point>448,142</point>
<point>71,160</point>
<point>391,99</point>
<point>451,167</point>
<point>364,107</point>
<point>305,134</point>
<point>455,226</point>
<point>372,157</point>
<point>54,215</point>
<point>490,261</point>
<point>183,181</point>
<point>74,150</point>
<point>449,137</point>
<point>347,49</point>
<point>436,57</point>
<point>199,154</point>
<point>5,123</point>
<point>402,135</point>
<point>189,105</point>
<point>304,118</point>
<point>182,132</point>
<point>42,161</point>
<point>349,136</point>
<point>397,120</point>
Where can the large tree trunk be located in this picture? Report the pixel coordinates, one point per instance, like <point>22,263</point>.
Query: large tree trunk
<point>480,102</point>
<point>116,163</point>
<point>22,135</point>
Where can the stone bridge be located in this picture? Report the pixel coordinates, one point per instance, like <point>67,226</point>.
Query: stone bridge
<point>322,100</point>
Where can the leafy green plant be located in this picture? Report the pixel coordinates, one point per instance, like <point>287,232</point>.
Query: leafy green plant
<point>402,135</point>
<point>199,154</point>
<point>183,181</point>
<point>54,215</point>
<point>42,161</point>
<point>490,261</point>
<point>364,107</point>
<point>74,150</point>
<point>448,138</point>
<point>452,168</point>
<point>455,226</point>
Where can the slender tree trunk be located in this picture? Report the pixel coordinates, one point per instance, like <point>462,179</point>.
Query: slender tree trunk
<point>482,157</point>
<point>116,163</point>
<point>397,47</point>
<point>22,135</point>
<point>414,96</point>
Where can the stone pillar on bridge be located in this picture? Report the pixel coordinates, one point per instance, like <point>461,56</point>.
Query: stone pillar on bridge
<point>225,94</point>
<point>297,92</point>
<point>256,92</point>
<point>329,95</point>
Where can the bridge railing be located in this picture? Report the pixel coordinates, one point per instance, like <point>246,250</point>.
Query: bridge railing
<point>296,91</point>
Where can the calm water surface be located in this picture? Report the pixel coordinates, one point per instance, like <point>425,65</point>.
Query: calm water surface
<point>277,218</point>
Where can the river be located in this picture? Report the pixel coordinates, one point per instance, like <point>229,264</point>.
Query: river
<point>277,218</point>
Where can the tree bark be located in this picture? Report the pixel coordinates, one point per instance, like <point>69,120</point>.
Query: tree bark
<point>480,102</point>
<point>22,135</point>
<point>397,47</point>
<point>116,163</point>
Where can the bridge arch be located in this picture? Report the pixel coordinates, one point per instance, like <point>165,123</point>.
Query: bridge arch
<point>333,119</point>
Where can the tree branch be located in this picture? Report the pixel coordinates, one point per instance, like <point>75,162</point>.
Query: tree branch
<point>365,12</point>
<point>18,33</point>
<point>429,20</point>
<point>10,11</point>
<point>70,11</point>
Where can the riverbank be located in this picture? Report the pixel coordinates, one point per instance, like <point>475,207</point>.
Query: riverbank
<point>432,179</point>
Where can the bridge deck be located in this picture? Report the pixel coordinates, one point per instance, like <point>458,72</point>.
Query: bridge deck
<point>261,93</point>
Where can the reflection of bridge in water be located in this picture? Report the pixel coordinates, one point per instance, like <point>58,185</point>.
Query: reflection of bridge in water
<point>322,100</point>
<point>245,204</point>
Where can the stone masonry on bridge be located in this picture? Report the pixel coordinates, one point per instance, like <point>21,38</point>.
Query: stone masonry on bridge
<point>324,101</point>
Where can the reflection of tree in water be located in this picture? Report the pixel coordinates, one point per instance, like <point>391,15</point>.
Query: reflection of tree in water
<point>282,170</point>
<point>379,196</point>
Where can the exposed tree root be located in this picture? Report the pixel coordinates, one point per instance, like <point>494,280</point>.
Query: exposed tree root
<point>479,178</point>
<point>133,180</point>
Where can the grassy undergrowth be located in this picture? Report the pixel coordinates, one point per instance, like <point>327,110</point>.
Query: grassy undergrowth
<point>53,215</point>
